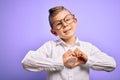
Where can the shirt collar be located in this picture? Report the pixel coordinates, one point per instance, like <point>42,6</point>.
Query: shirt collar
<point>61,42</point>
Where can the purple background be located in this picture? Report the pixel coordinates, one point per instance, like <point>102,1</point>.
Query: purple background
<point>24,26</point>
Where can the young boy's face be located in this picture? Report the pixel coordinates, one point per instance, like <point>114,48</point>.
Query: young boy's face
<point>64,25</point>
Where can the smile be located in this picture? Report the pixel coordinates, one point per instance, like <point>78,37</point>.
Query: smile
<point>67,30</point>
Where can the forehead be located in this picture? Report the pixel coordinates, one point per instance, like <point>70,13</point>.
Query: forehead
<point>60,15</point>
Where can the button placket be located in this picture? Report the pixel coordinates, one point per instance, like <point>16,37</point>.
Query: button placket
<point>70,74</point>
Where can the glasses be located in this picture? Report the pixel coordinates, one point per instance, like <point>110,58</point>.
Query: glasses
<point>67,19</point>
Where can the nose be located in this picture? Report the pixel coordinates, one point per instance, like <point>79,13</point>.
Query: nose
<point>64,23</point>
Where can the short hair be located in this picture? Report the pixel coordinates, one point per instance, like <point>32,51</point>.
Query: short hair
<point>54,11</point>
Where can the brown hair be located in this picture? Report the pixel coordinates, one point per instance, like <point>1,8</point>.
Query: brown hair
<point>54,11</point>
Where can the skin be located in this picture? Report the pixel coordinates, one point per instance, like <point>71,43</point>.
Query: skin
<point>67,34</point>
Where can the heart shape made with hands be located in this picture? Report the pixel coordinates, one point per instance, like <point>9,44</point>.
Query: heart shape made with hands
<point>74,58</point>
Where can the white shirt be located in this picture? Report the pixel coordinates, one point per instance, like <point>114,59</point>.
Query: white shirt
<point>49,58</point>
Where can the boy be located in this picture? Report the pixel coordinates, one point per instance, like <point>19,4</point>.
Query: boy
<point>67,58</point>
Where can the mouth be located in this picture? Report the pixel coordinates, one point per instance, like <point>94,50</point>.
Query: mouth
<point>66,31</point>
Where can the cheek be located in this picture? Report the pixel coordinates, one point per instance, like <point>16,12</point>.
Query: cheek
<point>74,27</point>
<point>59,33</point>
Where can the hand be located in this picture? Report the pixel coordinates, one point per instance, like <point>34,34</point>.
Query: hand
<point>70,60</point>
<point>73,59</point>
<point>82,57</point>
<point>67,58</point>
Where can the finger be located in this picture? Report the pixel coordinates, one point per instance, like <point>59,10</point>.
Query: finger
<point>78,52</point>
<point>85,57</point>
<point>82,57</point>
<point>75,52</point>
<point>77,63</point>
<point>77,49</point>
<point>70,52</point>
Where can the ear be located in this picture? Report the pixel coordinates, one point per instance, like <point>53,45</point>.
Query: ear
<point>53,32</point>
<point>75,19</point>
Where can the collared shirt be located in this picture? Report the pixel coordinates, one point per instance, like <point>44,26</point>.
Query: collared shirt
<point>49,57</point>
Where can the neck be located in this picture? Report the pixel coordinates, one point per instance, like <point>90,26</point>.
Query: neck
<point>70,40</point>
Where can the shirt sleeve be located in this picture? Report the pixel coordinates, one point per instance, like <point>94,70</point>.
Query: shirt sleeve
<point>98,60</point>
<point>39,61</point>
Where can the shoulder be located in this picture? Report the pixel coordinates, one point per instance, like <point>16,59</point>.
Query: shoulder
<point>84,43</point>
<point>89,45</point>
